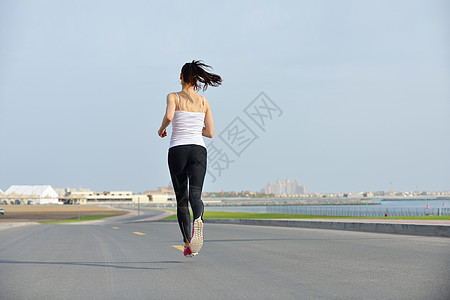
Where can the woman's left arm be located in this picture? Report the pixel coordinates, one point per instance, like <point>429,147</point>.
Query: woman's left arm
<point>208,130</point>
<point>168,117</point>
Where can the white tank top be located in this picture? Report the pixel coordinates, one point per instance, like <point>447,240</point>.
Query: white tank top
<point>187,127</point>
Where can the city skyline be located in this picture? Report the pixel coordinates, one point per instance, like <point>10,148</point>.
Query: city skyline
<point>280,188</point>
<point>284,187</point>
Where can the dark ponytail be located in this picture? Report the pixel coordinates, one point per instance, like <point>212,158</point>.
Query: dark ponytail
<point>194,74</point>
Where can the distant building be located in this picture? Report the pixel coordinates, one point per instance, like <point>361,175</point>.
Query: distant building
<point>90,197</point>
<point>274,188</point>
<point>113,197</point>
<point>162,194</point>
<point>163,190</point>
<point>292,187</point>
<point>287,187</point>
<point>30,194</point>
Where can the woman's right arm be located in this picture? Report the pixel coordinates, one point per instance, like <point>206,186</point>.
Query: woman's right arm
<point>168,117</point>
<point>208,130</point>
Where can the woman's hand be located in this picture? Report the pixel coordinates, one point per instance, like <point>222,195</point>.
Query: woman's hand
<point>162,132</point>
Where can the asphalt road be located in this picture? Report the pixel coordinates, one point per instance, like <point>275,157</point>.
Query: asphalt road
<point>126,260</point>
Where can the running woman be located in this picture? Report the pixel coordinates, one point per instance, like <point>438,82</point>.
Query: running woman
<point>191,119</point>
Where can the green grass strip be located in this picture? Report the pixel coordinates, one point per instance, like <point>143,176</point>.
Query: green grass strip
<point>246,215</point>
<point>80,220</point>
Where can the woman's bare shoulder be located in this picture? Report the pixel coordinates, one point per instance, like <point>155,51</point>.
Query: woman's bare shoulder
<point>171,96</point>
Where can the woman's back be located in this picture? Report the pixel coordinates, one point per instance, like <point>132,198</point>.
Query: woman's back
<point>188,120</point>
<point>190,102</point>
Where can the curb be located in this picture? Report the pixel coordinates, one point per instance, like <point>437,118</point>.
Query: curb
<point>406,229</point>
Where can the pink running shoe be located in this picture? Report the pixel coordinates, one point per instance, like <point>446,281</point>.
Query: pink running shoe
<point>187,252</point>
<point>197,235</point>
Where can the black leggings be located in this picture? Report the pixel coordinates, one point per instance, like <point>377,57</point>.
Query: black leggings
<point>187,165</point>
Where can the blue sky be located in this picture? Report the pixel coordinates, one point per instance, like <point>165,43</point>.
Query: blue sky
<point>362,86</point>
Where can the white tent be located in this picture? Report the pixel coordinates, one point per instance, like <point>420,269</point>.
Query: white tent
<point>38,194</point>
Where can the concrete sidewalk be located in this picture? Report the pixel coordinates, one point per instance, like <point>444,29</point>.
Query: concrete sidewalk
<point>164,214</point>
<point>380,221</point>
<point>439,228</point>
<point>16,224</point>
